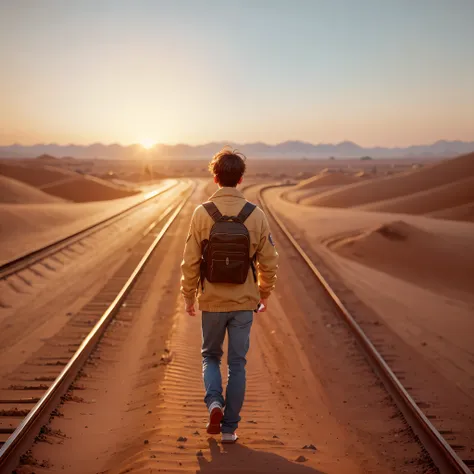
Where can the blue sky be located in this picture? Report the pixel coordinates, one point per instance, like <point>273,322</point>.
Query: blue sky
<point>377,72</point>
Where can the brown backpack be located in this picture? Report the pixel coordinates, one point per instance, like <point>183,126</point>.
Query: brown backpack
<point>226,255</point>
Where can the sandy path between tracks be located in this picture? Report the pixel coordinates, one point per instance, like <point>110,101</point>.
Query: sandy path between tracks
<point>141,407</point>
<point>43,297</point>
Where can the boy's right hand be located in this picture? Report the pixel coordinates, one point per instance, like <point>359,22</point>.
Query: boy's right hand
<point>263,302</point>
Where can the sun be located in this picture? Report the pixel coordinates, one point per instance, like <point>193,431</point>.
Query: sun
<point>147,143</point>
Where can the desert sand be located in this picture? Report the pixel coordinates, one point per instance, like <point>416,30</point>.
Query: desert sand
<point>49,203</point>
<point>428,259</point>
<point>63,183</point>
<point>40,297</point>
<point>13,191</point>
<point>412,272</point>
<point>325,180</point>
<point>436,187</point>
<point>440,201</point>
<point>49,221</point>
<point>138,405</point>
<point>464,212</point>
<point>431,253</point>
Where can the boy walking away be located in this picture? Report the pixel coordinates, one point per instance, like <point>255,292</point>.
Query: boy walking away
<point>230,264</point>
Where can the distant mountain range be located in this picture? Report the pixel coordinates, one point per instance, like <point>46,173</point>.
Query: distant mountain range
<point>288,149</point>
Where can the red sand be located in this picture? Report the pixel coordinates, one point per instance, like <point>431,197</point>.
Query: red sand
<point>65,184</point>
<point>448,196</point>
<point>34,174</point>
<point>326,178</point>
<point>459,213</point>
<point>322,182</point>
<point>28,226</point>
<point>419,191</point>
<point>138,406</point>
<point>403,250</point>
<point>408,279</point>
<point>420,284</point>
<point>16,192</point>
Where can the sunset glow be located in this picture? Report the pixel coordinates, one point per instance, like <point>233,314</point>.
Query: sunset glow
<point>180,70</point>
<point>147,143</point>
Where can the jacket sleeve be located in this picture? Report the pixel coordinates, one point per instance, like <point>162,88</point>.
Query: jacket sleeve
<point>267,261</point>
<point>191,263</point>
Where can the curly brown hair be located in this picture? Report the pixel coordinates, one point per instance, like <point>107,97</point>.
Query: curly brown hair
<point>228,166</point>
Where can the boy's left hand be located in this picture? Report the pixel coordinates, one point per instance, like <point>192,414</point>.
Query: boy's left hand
<point>190,309</point>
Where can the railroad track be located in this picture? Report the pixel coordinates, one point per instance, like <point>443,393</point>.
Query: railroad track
<point>440,451</point>
<point>27,406</point>
<point>31,258</point>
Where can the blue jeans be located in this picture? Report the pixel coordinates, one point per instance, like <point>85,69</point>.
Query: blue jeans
<point>214,326</point>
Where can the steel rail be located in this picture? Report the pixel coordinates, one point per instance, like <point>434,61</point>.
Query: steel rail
<point>443,456</point>
<point>24,434</point>
<point>30,258</point>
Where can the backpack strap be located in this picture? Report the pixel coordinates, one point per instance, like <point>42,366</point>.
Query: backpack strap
<point>246,211</point>
<point>253,262</point>
<point>203,264</point>
<point>212,210</point>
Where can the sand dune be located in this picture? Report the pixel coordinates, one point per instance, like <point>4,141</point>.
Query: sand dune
<point>412,254</point>
<point>16,192</point>
<point>424,243</point>
<point>65,184</point>
<point>25,227</point>
<point>451,195</point>
<point>86,189</point>
<point>35,174</point>
<point>300,196</point>
<point>459,213</point>
<point>398,186</point>
<point>326,178</point>
<point>322,182</point>
<point>414,271</point>
<point>46,222</point>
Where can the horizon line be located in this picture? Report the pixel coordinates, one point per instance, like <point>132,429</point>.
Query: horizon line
<point>231,143</point>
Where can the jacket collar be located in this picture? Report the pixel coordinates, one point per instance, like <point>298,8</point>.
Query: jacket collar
<point>226,192</point>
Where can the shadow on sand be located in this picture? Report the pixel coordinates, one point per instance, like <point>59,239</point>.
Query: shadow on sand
<point>238,459</point>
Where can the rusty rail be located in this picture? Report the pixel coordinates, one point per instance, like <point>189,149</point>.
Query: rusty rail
<point>443,456</point>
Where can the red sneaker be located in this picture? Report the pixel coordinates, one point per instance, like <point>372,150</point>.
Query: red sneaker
<point>215,418</point>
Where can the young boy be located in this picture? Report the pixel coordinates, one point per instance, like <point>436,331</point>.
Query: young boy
<point>230,285</point>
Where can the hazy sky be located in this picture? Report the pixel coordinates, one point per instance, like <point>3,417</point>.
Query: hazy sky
<point>377,72</point>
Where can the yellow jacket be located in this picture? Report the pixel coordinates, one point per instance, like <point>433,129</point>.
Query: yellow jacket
<point>224,297</point>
